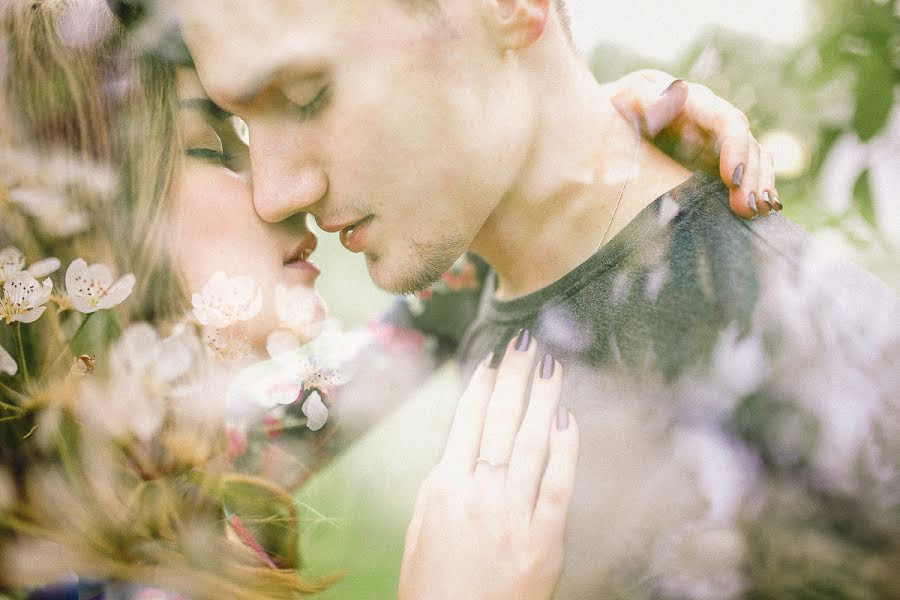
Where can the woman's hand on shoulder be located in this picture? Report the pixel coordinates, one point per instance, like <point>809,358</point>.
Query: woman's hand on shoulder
<point>490,517</point>
<point>702,130</point>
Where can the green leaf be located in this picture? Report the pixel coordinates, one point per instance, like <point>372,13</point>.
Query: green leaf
<point>862,195</point>
<point>874,96</point>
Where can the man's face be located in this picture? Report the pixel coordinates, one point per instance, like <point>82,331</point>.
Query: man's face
<point>403,130</point>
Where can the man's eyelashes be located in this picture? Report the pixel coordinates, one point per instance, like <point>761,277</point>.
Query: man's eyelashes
<point>316,105</point>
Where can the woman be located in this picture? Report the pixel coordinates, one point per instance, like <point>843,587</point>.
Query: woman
<point>182,212</point>
<point>188,214</point>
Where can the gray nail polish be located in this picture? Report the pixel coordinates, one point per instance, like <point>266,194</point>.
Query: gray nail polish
<point>547,367</point>
<point>738,177</point>
<point>562,418</point>
<point>767,199</point>
<point>669,89</point>
<point>751,201</point>
<point>523,341</point>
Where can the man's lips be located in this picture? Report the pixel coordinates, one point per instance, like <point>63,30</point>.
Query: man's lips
<point>353,235</point>
<point>335,226</point>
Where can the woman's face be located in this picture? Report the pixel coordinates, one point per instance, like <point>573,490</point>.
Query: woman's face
<point>214,223</point>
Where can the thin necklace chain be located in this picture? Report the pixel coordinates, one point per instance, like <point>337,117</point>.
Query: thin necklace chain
<point>637,148</point>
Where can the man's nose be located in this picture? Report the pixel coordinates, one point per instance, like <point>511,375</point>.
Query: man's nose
<point>286,180</point>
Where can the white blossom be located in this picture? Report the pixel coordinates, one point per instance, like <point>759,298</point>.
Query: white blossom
<point>24,298</point>
<point>92,288</point>
<point>300,309</point>
<point>415,303</point>
<point>12,262</point>
<point>227,344</point>
<point>227,300</point>
<point>7,362</point>
<point>315,410</point>
<point>55,214</point>
<point>325,363</point>
<point>144,375</point>
<point>282,341</point>
<point>44,267</point>
<point>301,315</point>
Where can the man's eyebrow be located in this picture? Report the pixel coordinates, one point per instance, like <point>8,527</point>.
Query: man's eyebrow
<point>206,105</point>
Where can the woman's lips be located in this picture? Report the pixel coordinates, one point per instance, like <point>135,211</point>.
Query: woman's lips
<point>304,265</point>
<point>299,260</point>
<point>353,237</point>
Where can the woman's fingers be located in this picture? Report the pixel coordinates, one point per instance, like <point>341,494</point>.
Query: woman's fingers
<point>646,105</point>
<point>750,189</point>
<point>734,148</point>
<point>529,456</point>
<point>481,524</point>
<point>552,507</point>
<point>664,107</point>
<point>767,180</point>
<point>464,439</point>
<point>743,164</point>
<point>657,102</point>
<point>504,412</point>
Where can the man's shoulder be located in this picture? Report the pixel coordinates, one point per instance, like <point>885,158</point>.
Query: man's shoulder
<point>694,270</point>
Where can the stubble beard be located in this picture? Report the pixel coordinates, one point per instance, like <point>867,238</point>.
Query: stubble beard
<point>427,264</point>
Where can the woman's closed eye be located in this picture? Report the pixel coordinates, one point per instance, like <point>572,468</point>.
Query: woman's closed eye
<point>211,135</point>
<point>210,154</point>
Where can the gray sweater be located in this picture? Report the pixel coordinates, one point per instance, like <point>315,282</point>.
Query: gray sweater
<point>737,392</point>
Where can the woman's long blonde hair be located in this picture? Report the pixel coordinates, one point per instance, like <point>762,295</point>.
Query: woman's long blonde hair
<point>97,101</point>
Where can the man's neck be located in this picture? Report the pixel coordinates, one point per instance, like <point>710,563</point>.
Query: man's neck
<point>589,175</point>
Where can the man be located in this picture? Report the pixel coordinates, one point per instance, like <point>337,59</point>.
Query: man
<point>420,130</point>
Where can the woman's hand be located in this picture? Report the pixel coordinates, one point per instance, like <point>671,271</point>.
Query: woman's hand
<point>705,131</point>
<point>489,518</point>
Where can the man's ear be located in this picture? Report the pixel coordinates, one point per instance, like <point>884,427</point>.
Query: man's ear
<point>519,23</point>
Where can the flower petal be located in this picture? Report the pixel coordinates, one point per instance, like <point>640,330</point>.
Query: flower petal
<point>42,295</point>
<point>136,349</point>
<point>253,309</point>
<point>76,271</point>
<point>175,359</point>
<point>280,342</point>
<point>12,262</point>
<point>7,362</point>
<point>31,316</point>
<point>100,274</point>
<point>225,300</point>
<point>42,268</point>
<point>82,305</point>
<point>209,316</point>
<point>316,412</point>
<point>118,292</point>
